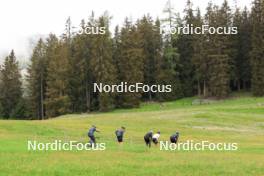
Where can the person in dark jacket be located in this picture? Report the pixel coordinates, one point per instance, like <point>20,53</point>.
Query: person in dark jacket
<point>91,134</point>
<point>148,138</point>
<point>174,138</point>
<point>119,134</point>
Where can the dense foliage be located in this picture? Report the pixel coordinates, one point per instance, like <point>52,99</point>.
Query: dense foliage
<point>63,69</point>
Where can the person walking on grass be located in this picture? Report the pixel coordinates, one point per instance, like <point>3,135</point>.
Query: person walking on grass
<point>119,134</point>
<point>174,138</point>
<point>91,134</point>
<point>155,138</point>
<point>148,138</point>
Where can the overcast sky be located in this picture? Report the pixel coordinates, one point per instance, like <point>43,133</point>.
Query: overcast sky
<point>22,22</point>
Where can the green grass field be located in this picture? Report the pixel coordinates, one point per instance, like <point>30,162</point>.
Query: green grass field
<point>237,120</point>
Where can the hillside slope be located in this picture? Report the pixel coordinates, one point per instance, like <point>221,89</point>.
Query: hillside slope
<point>237,120</point>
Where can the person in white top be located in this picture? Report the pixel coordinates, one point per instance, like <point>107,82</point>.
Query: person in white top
<point>155,138</point>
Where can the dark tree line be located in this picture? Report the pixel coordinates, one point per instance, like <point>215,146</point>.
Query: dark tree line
<point>63,69</point>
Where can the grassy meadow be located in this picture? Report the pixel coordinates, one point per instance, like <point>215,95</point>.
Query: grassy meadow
<point>236,120</point>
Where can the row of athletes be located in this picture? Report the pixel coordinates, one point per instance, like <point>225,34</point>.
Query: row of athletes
<point>148,138</point>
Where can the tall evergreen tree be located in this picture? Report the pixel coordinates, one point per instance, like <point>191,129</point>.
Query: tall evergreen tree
<point>130,62</point>
<point>185,46</point>
<point>78,73</point>
<point>81,76</point>
<point>199,58</point>
<point>242,45</point>
<point>57,101</point>
<point>150,36</point>
<point>37,80</point>
<point>244,67</point>
<point>219,52</point>
<point>11,86</point>
<point>257,53</point>
<point>102,65</point>
<point>170,63</point>
<point>76,49</point>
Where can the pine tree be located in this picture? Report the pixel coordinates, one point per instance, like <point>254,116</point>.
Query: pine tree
<point>116,61</point>
<point>257,53</point>
<point>185,46</point>
<point>21,110</point>
<point>244,50</point>
<point>169,75</point>
<point>76,68</point>
<point>11,86</point>
<point>130,63</point>
<point>102,65</point>
<point>227,19</point>
<point>235,72</point>
<point>209,19</point>
<point>199,58</point>
<point>57,101</point>
<point>77,75</point>
<point>152,51</point>
<point>219,53</point>
<point>116,49</point>
<point>169,65</point>
<point>219,77</point>
<point>37,73</point>
<point>242,45</point>
<point>81,77</point>
<point>1,111</point>
<point>170,62</point>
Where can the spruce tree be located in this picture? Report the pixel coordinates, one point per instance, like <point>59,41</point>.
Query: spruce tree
<point>130,63</point>
<point>185,46</point>
<point>102,65</point>
<point>150,39</point>
<point>81,77</point>
<point>219,52</point>
<point>244,67</point>
<point>77,50</point>
<point>11,86</point>
<point>257,53</point>
<point>242,45</point>
<point>116,61</point>
<point>170,62</point>
<point>209,19</point>
<point>199,58</point>
<point>57,101</point>
<point>37,77</point>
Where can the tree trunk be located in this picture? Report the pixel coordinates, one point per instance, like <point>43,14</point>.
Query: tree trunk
<point>238,85</point>
<point>244,85</point>
<point>88,96</point>
<point>41,98</point>
<point>199,88</point>
<point>204,89</point>
<point>150,96</point>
